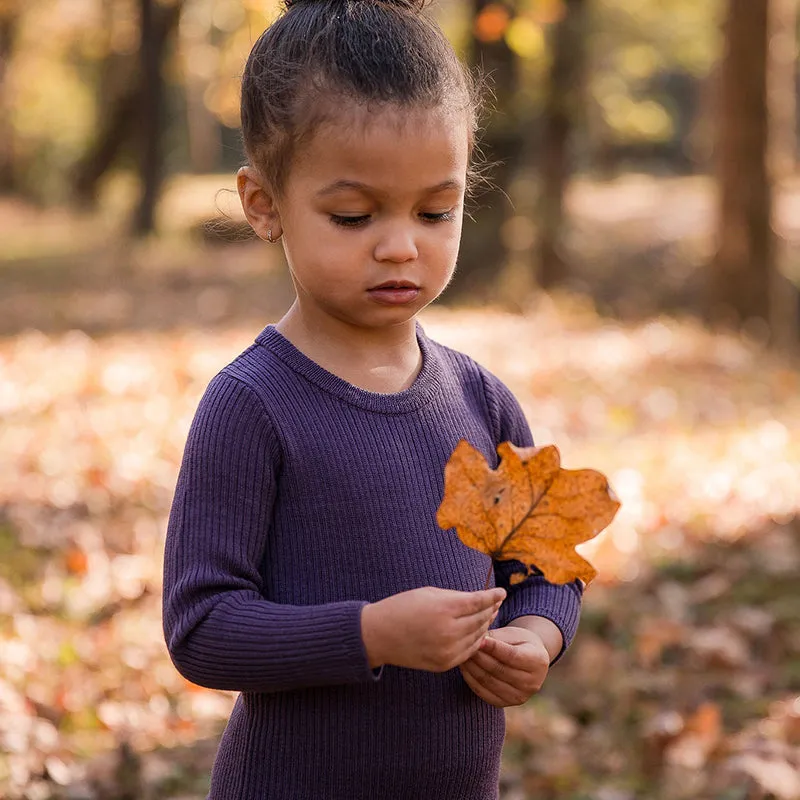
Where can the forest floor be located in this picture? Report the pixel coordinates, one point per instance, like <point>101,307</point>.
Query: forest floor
<point>684,680</point>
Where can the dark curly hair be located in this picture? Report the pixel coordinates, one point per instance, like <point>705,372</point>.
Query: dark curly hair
<point>321,52</point>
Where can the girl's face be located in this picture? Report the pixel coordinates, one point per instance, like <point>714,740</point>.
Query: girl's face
<point>371,216</point>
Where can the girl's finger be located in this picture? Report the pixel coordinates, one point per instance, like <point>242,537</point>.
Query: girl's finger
<point>477,602</point>
<point>477,623</point>
<point>500,669</point>
<point>510,654</point>
<point>470,644</point>
<point>482,692</point>
<point>510,694</point>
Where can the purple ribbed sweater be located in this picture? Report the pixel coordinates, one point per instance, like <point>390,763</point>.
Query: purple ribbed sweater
<point>300,499</point>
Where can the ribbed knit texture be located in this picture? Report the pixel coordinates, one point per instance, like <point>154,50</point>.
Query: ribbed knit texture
<point>300,499</point>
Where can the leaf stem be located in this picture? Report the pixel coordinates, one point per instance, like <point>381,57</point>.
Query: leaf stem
<point>489,574</point>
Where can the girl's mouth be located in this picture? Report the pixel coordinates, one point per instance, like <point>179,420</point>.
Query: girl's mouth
<point>394,293</point>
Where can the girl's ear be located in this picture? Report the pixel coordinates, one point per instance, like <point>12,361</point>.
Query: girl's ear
<point>258,202</point>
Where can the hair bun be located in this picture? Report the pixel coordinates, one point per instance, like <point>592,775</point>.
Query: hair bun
<point>410,5</point>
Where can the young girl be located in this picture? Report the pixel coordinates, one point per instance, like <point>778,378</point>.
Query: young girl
<point>304,567</point>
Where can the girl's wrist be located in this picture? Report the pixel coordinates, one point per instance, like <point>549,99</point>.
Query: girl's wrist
<point>545,629</point>
<point>371,635</point>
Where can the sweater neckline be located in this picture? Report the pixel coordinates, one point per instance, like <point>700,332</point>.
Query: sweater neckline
<point>421,391</point>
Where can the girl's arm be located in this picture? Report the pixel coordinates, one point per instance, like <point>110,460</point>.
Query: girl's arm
<point>537,598</point>
<point>220,631</point>
<point>534,597</point>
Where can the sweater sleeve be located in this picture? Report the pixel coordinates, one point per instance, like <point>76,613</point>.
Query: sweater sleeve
<point>534,596</point>
<point>220,629</point>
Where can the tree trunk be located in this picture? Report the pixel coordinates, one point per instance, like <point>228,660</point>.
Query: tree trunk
<point>562,109</point>
<point>118,127</point>
<point>150,111</point>
<point>8,25</point>
<point>782,77</point>
<point>483,252</point>
<point>782,82</point>
<point>742,272</point>
<point>115,133</point>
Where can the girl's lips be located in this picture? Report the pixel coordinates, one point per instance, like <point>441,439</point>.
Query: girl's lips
<point>388,295</point>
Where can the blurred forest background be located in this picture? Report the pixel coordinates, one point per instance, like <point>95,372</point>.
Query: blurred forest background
<point>632,273</point>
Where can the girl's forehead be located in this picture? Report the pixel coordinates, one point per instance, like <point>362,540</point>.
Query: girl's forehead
<point>387,142</point>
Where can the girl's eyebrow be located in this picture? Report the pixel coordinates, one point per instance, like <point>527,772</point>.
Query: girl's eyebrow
<point>357,186</point>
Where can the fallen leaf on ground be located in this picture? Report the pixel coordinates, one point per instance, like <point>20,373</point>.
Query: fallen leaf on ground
<point>529,509</point>
<point>700,737</point>
<point>777,777</point>
<point>654,635</point>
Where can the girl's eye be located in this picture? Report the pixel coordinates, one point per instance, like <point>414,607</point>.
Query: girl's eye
<point>349,222</point>
<point>444,216</point>
<point>362,219</point>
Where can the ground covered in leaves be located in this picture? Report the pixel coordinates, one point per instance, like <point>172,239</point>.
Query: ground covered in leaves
<point>684,680</point>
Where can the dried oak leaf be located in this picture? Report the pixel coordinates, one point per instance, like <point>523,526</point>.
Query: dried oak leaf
<point>529,509</point>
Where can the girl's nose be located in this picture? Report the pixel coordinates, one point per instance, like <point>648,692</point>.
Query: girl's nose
<point>397,246</point>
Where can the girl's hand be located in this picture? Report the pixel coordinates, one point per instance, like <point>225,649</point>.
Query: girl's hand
<point>509,667</point>
<point>429,628</point>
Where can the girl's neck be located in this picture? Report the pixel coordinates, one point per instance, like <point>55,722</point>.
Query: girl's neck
<point>385,361</point>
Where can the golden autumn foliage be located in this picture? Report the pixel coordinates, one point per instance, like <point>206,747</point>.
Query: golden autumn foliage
<point>529,509</point>
<point>492,22</point>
